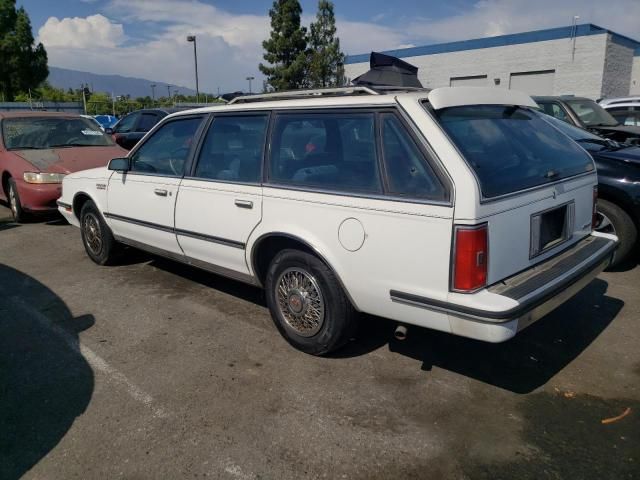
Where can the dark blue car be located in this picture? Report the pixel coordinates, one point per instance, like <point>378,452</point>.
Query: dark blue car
<point>618,185</point>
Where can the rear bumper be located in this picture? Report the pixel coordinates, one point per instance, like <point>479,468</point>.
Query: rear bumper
<point>38,198</point>
<point>531,294</point>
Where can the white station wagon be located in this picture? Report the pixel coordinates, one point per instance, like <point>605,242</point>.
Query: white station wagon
<point>456,209</point>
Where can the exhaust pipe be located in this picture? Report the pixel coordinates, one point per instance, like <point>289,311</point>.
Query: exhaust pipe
<point>400,332</point>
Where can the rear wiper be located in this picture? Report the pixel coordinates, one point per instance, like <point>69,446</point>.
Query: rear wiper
<point>551,174</point>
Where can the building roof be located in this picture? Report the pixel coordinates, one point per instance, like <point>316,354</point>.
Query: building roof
<point>582,30</point>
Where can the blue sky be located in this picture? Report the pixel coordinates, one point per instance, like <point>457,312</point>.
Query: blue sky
<point>146,38</point>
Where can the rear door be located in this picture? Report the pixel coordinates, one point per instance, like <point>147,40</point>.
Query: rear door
<point>141,202</point>
<point>220,202</point>
<point>536,184</point>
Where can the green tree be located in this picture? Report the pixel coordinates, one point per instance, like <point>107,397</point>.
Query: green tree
<point>325,58</point>
<point>23,65</point>
<point>285,50</point>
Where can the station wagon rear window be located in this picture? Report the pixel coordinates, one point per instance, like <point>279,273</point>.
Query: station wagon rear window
<point>511,149</point>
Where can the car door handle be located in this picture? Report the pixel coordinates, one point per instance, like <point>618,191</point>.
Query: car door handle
<point>160,192</point>
<point>244,204</point>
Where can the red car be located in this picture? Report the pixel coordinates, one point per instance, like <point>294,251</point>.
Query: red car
<point>37,149</point>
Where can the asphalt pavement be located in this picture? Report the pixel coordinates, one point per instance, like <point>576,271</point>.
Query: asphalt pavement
<point>151,369</point>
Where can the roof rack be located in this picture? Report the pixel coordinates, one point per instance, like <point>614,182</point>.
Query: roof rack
<point>320,92</point>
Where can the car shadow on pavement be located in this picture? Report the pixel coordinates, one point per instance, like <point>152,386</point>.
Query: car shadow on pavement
<point>530,359</point>
<point>238,289</point>
<point>7,225</point>
<point>45,382</point>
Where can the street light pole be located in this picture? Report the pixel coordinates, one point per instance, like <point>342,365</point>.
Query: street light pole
<point>153,93</point>
<point>192,38</point>
<point>250,78</point>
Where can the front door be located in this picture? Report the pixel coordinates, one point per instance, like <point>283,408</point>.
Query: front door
<point>141,202</point>
<point>220,204</point>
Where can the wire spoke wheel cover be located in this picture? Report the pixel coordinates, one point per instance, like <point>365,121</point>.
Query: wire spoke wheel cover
<point>92,233</point>
<point>300,301</point>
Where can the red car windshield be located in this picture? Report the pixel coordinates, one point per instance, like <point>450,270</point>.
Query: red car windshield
<point>51,132</point>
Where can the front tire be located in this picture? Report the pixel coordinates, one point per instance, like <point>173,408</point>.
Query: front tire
<point>612,219</point>
<point>18,213</point>
<point>97,238</point>
<point>307,303</point>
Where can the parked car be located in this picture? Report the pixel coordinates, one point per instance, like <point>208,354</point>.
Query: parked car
<point>618,168</point>
<point>132,127</point>
<point>38,149</point>
<point>93,120</point>
<point>458,209</point>
<point>588,115</point>
<point>625,110</point>
<point>106,121</point>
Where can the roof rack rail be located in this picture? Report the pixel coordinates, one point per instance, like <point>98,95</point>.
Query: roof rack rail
<point>319,92</point>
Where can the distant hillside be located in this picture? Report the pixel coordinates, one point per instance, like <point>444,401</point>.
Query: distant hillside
<point>116,84</point>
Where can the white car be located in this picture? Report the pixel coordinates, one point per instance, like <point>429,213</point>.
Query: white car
<point>456,209</point>
<point>626,110</point>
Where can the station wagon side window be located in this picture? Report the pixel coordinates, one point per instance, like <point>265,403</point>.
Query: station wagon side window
<point>408,173</point>
<point>167,150</point>
<point>332,151</point>
<point>232,150</point>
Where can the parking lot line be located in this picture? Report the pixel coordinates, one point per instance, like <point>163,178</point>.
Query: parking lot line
<point>96,361</point>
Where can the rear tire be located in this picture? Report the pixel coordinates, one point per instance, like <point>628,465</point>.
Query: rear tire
<point>308,304</point>
<point>97,238</point>
<point>18,213</point>
<point>613,219</point>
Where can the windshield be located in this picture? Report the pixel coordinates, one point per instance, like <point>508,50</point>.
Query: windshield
<point>49,132</point>
<point>512,148</point>
<point>592,114</point>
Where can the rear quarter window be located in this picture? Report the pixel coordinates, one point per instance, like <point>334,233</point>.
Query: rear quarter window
<point>511,149</point>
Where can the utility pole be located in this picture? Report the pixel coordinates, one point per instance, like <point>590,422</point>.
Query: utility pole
<point>192,38</point>
<point>84,98</point>
<point>169,92</point>
<point>249,79</point>
<point>153,94</point>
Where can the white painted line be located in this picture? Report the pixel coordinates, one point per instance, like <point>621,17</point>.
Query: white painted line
<point>98,363</point>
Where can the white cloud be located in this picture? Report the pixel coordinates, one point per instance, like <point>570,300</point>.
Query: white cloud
<point>92,31</point>
<point>499,17</point>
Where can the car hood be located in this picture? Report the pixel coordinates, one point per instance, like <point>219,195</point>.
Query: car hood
<point>70,159</point>
<point>628,155</point>
<point>629,130</point>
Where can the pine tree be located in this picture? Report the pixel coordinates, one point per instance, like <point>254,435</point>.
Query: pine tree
<point>285,50</point>
<point>325,58</point>
<point>23,65</point>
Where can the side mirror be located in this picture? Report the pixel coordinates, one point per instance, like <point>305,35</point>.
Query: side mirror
<point>119,164</point>
<point>108,131</point>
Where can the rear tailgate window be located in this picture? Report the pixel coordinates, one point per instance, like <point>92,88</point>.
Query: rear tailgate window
<point>511,149</point>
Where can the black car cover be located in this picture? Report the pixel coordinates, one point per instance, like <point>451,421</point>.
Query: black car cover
<point>388,71</point>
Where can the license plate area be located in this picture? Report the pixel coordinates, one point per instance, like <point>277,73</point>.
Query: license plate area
<point>551,228</point>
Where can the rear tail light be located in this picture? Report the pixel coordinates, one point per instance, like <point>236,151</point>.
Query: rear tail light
<point>470,257</point>
<point>594,212</point>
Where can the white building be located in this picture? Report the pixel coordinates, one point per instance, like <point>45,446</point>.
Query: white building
<point>583,60</point>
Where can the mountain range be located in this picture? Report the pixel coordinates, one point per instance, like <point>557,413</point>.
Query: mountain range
<point>112,84</point>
